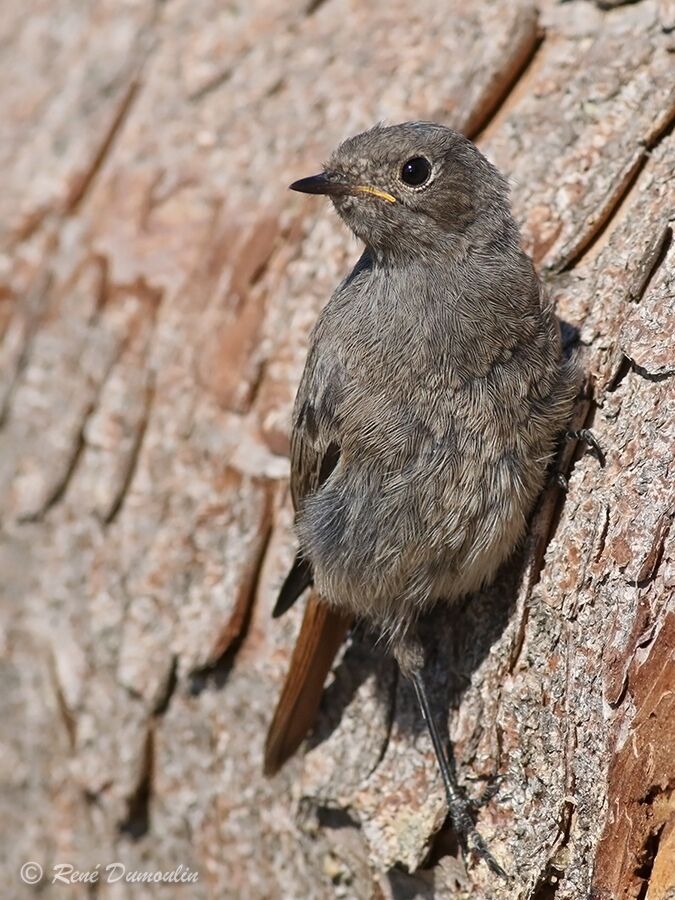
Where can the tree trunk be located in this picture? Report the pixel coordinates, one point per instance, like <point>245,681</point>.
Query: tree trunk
<point>157,289</point>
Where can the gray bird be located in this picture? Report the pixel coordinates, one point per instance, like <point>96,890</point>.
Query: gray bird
<point>433,396</point>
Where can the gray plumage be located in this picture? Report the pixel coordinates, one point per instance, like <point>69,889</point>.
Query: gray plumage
<point>433,397</point>
<point>434,389</point>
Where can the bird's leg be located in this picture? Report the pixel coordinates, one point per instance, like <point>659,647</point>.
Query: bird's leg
<point>461,810</point>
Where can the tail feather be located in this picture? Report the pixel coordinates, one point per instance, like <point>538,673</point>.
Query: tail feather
<point>322,632</point>
<point>299,578</point>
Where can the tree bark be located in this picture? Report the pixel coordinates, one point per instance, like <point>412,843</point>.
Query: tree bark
<point>157,289</point>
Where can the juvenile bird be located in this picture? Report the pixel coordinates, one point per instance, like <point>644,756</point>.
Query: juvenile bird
<point>434,392</point>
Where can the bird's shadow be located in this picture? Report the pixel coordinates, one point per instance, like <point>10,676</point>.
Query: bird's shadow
<point>364,657</point>
<point>456,640</point>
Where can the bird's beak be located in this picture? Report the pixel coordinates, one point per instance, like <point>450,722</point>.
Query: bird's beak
<point>331,185</point>
<point>335,186</point>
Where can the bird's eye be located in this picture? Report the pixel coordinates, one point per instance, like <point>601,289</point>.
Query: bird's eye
<point>416,171</point>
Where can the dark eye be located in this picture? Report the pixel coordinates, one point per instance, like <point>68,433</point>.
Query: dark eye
<point>416,171</point>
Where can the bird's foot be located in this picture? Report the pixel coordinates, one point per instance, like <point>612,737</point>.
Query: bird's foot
<point>462,811</point>
<point>492,787</point>
<point>586,436</point>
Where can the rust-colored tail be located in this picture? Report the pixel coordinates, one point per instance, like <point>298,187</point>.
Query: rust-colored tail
<point>321,635</point>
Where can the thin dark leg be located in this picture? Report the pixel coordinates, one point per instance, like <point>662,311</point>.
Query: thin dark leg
<point>460,808</point>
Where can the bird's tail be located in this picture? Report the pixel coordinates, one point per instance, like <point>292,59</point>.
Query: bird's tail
<point>322,632</point>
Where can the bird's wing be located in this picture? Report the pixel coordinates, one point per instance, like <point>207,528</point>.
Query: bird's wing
<point>315,447</point>
<point>315,451</point>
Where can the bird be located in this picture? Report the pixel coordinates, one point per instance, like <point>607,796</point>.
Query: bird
<point>433,399</point>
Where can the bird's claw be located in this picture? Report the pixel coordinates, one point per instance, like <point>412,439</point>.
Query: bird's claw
<point>491,789</point>
<point>476,845</point>
<point>588,438</point>
<point>462,815</point>
<point>560,479</point>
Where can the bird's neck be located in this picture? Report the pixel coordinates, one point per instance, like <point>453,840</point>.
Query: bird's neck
<point>474,305</point>
<point>438,251</point>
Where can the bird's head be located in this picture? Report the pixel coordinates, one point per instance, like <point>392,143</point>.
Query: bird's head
<point>404,188</point>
